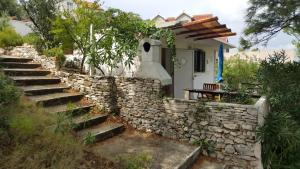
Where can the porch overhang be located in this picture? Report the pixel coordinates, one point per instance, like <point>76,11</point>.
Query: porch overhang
<point>197,30</point>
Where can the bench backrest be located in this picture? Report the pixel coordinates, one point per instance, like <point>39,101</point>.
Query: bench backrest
<point>210,86</point>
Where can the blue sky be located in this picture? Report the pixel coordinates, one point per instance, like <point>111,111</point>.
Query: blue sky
<point>230,12</point>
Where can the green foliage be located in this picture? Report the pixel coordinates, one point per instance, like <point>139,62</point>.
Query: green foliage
<point>242,97</point>
<point>41,12</point>
<point>89,139</point>
<point>58,53</point>
<point>237,70</point>
<point>30,38</point>
<point>64,123</point>
<point>280,134</point>
<point>267,18</point>
<point>12,8</point>
<point>135,161</point>
<point>4,22</point>
<point>207,146</point>
<point>280,137</point>
<point>10,38</point>
<point>115,35</point>
<point>8,93</point>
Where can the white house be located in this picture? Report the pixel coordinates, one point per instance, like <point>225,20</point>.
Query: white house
<point>197,42</point>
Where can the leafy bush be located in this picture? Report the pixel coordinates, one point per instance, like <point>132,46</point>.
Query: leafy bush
<point>280,135</point>
<point>10,38</point>
<point>58,53</point>
<point>31,38</point>
<point>27,140</point>
<point>242,97</point>
<point>238,71</point>
<point>8,93</point>
<point>4,22</point>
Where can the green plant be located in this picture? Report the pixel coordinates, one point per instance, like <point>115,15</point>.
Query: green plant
<point>10,38</point>
<point>4,21</point>
<point>8,93</point>
<point>118,34</point>
<point>30,38</point>
<point>241,97</point>
<point>58,54</point>
<point>280,134</point>
<point>265,19</point>
<point>41,13</point>
<point>89,139</point>
<point>135,161</point>
<point>12,8</point>
<point>64,123</point>
<point>237,71</point>
<point>207,146</point>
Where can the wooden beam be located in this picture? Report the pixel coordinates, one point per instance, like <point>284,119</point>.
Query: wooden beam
<point>192,23</point>
<point>200,21</point>
<point>210,33</point>
<point>215,36</point>
<point>201,29</point>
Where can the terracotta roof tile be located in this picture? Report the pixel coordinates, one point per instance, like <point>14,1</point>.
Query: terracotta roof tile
<point>200,17</point>
<point>169,19</point>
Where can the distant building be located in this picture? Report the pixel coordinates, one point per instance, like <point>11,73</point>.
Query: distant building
<point>260,55</point>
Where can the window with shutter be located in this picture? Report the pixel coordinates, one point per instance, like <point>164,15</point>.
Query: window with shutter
<point>199,61</point>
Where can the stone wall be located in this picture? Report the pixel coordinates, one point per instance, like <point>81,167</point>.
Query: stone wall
<point>230,126</point>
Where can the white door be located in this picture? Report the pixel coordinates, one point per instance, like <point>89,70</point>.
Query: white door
<point>183,74</point>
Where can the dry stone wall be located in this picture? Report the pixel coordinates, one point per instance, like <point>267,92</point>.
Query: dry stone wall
<point>230,126</point>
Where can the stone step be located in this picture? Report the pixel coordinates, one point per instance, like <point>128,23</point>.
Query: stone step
<point>43,89</point>
<point>26,72</point>
<point>14,59</point>
<point>19,65</point>
<point>56,98</point>
<point>75,109</point>
<point>88,120</point>
<point>34,80</point>
<point>102,131</point>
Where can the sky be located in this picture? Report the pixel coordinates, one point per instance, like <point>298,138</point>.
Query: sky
<point>229,12</point>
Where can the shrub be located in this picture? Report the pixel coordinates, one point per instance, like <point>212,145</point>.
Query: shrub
<point>8,93</point>
<point>31,39</point>
<point>238,71</point>
<point>58,54</point>
<point>10,38</point>
<point>4,22</point>
<point>280,135</point>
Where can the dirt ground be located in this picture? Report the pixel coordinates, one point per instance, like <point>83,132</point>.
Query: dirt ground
<point>164,153</point>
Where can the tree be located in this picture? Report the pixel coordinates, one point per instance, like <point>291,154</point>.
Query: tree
<point>12,8</point>
<point>115,36</point>
<point>41,12</point>
<point>265,19</point>
<point>237,71</point>
<point>280,134</point>
<point>74,27</point>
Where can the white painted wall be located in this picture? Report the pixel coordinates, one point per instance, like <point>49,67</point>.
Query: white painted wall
<point>209,75</point>
<point>183,73</point>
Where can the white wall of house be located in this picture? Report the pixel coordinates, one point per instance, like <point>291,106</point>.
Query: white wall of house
<point>66,5</point>
<point>184,75</point>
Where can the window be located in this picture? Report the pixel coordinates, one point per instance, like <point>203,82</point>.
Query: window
<point>199,61</point>
<point>69,5</point>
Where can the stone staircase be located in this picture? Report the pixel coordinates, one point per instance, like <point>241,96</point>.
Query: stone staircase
<point>48,91</point>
